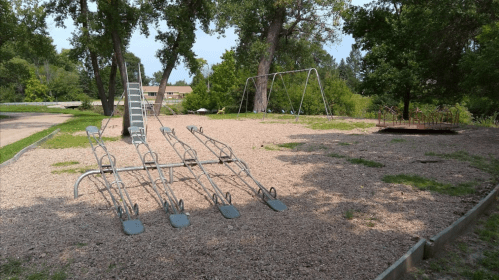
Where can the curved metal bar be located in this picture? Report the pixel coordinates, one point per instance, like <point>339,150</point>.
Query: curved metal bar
<point>268,98</point>
<point>303,95</point>
<point>287,94</point>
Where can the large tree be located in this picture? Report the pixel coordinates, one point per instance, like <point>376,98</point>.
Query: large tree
<point>181,18</point>
<point>101,36</point>
<point>261,24</point>
<point>414,47</point>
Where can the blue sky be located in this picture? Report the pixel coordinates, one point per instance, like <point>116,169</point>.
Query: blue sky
<point>208,47</point>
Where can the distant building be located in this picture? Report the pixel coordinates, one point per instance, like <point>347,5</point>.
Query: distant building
<point>171,92</point>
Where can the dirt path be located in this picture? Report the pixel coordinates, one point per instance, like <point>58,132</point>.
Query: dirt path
<point>22,125</point>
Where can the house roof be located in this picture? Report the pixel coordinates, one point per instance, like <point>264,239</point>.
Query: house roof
<point>174,89</point>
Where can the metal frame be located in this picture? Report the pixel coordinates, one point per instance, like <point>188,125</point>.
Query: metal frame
<point>227,157</point>
<point>191,161</point>
<point>130,225</point>
<point>149,160</point>
<point>309,70</point>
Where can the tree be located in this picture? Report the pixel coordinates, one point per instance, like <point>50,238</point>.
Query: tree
<point>181,19</point>
<point>261,24</point>
<point>414,48</point>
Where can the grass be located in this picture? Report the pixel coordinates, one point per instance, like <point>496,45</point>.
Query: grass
<point>489,165</point>
<point>490,230</point>
<point>65,163</point>
<point>64,139</point>
<point>396,140</point>
<point>368,163</point>
<point>474,259</point>
<point>349,214</point>
<point>335,155</point>
<point>291,145</point>
<point>14,269</point>
<point>4,117</point>
<point>344,144</point>
<point>75,170</point>
<point>431,185</point>
<point>313,122</point>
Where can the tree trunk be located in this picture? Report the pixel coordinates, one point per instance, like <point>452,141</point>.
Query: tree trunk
<point>407,100</point>
<point>121,65</point>
<point>108,110</point>
<point>266,59</point>
<point>166,75</point>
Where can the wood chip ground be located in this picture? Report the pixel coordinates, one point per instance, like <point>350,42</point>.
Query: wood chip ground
<point>43,223</point>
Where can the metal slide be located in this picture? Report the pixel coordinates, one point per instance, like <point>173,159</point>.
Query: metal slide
<point>228,158</point>
<point>149,158</point>
<point>191,161</point>
<point>126,210</point>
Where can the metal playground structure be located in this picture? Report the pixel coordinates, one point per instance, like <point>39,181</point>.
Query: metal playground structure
<point>440,119</point>
<point>309,71</point>
<point>126,210</point>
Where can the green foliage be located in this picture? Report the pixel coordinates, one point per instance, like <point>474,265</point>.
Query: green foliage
<point>65,163</point>
<point>86,102</point>
<point>431,185</point>
<point>395,140</point>
<point>368,163</point>
<point>335,155</point>
<point>223,82</point>
<point>290,145</point>
<point>349,214</point>
<point>490,231</point>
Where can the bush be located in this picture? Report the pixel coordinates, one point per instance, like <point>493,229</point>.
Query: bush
<point>86,102</point>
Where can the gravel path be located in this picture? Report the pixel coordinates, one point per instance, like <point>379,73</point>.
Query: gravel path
<point>312,240</point>
<point>22,125</point>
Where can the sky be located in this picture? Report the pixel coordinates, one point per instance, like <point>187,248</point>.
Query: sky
<point>208,47</point>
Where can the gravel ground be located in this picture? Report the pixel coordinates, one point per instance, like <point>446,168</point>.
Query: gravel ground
<point>43,223</point>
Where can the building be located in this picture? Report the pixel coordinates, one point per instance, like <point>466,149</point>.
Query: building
<point>171,92</point>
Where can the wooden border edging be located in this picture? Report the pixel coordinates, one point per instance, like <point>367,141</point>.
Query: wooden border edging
<point>428,249</point>
<point>451,232</point>
<point>406,262</point>
<point>32,146</point>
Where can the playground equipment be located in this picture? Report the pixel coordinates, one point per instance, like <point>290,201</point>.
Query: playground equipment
<point>440,119</point>
<point>309,70</point>
<point>124,206</point>
<point>226,156</point>
<point>150,163</point>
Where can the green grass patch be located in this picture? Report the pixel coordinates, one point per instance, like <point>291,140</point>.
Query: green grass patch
<point>313,122</point>
<point>65,163</point>
<point>344,144</point>
<point>431,185</point>
<point>349,214</point>
<point>335,155</point>
<point>489,165</point>
<point>80,120</point>
<point>14,269</point>
<point>490,231</point>
<point>291,145</point>
<point>66,140</point>
<point>4,117</point>
<point>271,148</point>
<point>368,163</point>
<point>396,140</point>
<point>75,170</point>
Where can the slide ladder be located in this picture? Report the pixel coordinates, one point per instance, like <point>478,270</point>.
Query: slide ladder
<point>149,158</point>
<point>191,161</point>
<point>126,210</point>
<point>228,158</point>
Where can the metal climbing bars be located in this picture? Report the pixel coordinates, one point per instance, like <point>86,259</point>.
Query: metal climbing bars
<point>191,161</point>
<point>126,210</point>
<point>227,157</point>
